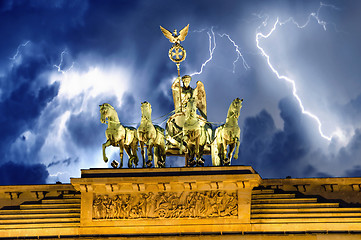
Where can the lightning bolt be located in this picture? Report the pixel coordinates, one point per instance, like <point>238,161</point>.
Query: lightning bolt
<point>57,174</point>
<point>18,50</point>
<point>212,47</point>
<point>260,35</point>
<point>211,51</point>
<point>61,62</point>
<point>239,54</point>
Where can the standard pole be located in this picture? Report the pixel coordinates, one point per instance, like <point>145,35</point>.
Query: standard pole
<point>180,88</point>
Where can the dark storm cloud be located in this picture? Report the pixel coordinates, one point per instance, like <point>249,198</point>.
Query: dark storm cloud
<point>351,153</point>
<point>45,22</point>
<point>354,172</point>
<point>276,153</point>
<point>22,109</point>
<point>128,109</point>
<point>25,96</point>
<point>84,130</point>
<point>257,134</point>
<point>289,152</point>
<point>351,110</point>
<point>126,34</point>
<point>25,93</point>
<point>17,174</point>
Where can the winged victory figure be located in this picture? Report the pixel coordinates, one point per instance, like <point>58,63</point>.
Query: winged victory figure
<point>187,92</point>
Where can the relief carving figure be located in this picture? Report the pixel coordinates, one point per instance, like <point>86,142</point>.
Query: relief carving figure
<point>151,136</point>
<point>118,210</point>
<point>98,212</point>
<point>172,205</point>
<point>232,205</point>
<point>118,136</point>
<point>108,206</point>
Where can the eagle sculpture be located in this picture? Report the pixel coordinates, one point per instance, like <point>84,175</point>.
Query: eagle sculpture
<point>175,37</point>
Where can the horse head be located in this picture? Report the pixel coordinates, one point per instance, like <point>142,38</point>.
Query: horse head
<point>104,111</point>
<point>146,109</point>
<point>234,108</point>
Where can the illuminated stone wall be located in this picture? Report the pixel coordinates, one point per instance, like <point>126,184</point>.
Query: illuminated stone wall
<point>184,203</point>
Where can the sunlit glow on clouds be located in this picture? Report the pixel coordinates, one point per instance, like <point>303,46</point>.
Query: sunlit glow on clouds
<point>97,81</point>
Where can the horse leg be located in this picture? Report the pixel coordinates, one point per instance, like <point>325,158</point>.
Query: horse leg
<point>196,147</point>
<point>200,160</point>
<point>230,153</point>
<point>134,147</point>
<point>192,150</point>
<point>142,152</point>
<point>156,156</point>
<point>221,152</point>
<point>162,155</point>
<point>105,145</point>
<point>237,149</point>
<point>121,152</point>
<point>187,158</point>
<point>130,157</point>
<point>181,146</point>
<point>201,143</point>
<point>150,152</point>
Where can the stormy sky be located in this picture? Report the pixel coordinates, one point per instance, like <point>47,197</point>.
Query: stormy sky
<point>295,63</point>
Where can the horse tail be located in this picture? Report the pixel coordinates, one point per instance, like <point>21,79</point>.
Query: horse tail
<point>216,161</point>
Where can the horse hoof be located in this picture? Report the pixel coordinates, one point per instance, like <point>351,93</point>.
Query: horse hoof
<point>149,164</point>
<point>114,164</point>
<point>192,163</point>
<point>105,160</point>
<point>226,162</point>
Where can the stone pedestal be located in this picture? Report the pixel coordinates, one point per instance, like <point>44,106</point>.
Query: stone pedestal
<point>171,200</point>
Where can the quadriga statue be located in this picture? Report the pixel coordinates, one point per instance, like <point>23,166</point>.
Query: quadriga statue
<point>227,135</point>
<point>151,136</point>
<point>118,136</point>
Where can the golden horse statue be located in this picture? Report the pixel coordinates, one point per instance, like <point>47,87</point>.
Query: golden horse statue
<point>227,135</point>
<point>194,135</point>
<point>151,136</point>
<point>118,136</point>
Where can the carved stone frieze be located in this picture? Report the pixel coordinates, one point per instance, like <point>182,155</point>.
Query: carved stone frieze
<point>205,204</point>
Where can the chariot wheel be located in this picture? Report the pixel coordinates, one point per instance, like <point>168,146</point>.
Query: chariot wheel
<point>162,213</point>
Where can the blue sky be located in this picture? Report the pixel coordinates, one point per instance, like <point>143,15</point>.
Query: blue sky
<point>295,63</point>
